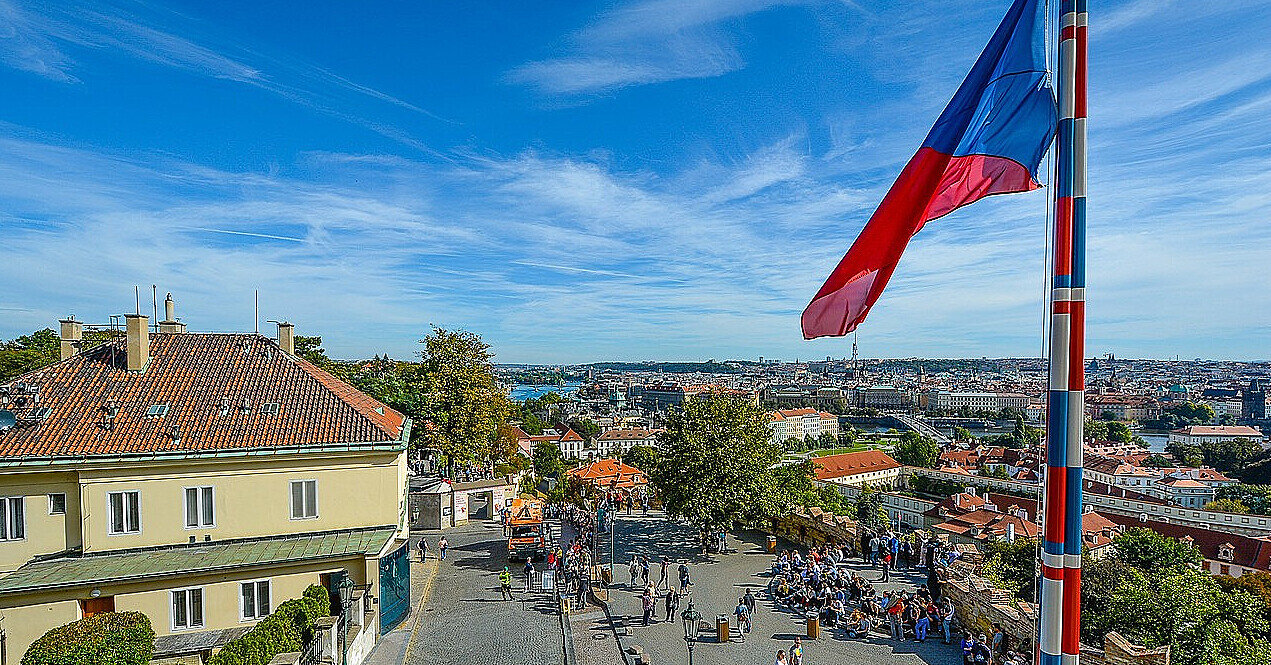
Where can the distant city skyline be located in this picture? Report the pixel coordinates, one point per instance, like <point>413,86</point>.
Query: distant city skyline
<point>583,182</point>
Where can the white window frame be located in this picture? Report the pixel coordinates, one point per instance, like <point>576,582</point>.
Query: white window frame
<point>200,508</point>
<point>291,493</point>
<point>53,494</point>
<point>6,515</point>
<point>172,596</point>
<point>157,410</point>
<point>110,521</point>
<point>256,586</point>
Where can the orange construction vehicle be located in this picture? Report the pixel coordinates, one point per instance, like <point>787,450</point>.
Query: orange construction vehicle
<point>527,532</point>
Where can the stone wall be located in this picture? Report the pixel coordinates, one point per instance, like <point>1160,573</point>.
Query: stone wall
<point>813,527</point>
<point>978,605</point>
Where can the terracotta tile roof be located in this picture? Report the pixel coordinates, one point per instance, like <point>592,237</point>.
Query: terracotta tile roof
<point>609,472</point>
<point>850,464</point>
<point>204,380</point>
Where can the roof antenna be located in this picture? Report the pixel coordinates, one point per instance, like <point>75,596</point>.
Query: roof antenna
<point>154,298</point>
<point>136,291</point>
<point>256,320</point>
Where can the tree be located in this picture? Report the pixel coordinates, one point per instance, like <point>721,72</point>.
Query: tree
<point>1147,550</point>
<point>1012,566</point>
<point>961,434</point>
<point>1227,506</point>
<point>27,353</point>
<point>464,404</point>
<point>547,459</point>
<point>793,444</point>
<point>1119,432</point>
<point>826,440</point>
<point>644,458</point>
<point>716,462</point>
<point>870,512</point>
<point>1157,461</point>
<point>1230,455</point>
<point>1150,590</point>
<point>1257,498</point>
<point>913,449</point>
<point>585,427</point>
<point>1096,430</point>
<point>796,487</point>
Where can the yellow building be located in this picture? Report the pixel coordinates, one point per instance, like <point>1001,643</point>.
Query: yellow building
<point>202,479</point>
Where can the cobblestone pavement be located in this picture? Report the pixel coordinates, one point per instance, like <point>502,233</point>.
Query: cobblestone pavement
<point>465,622</point>
<point>717,583</point>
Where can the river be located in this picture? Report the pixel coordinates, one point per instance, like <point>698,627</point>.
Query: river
<point>522,392</point>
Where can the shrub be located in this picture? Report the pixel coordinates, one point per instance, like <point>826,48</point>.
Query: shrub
<point>286,630</point>
<point>112,638</point>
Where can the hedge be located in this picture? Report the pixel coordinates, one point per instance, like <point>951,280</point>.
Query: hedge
<point>288,629</point>
<point>112,638</point>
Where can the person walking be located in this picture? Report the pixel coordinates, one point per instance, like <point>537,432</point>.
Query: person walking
<point>684,581</point>
<point>743,618</point>
<point>505,583</point>
<point>750,601</point>
<point>920,627</point>
<point>886,565</point>
<point>644,570</point>
<point>634,569</point>
<point>663,578</point>
<point>646,601</point>
<point>781,658</point>
<point>529,573</point>
<point>796,652</point>
<point>672,603</point>
<point>423,549</point>
<point>441,547</point>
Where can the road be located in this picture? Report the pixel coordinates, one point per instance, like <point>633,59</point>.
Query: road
<point>464,621</point>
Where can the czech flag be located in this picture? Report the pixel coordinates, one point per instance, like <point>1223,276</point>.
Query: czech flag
<point>989,140</point>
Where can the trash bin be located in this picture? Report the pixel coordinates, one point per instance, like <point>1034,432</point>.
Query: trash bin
<point>772,543</point>
<point>606,576</point>
<point>814,627</point>
<point>721,628</point>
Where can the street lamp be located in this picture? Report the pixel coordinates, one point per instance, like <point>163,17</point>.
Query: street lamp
<point>691,620</point>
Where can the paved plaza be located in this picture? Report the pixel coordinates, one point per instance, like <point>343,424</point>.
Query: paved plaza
<point>718,581</point>
<point>460,618</point>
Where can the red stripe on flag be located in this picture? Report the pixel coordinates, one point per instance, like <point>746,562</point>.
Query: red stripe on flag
<point>1052,573</point>
<point>1068,32</point>
<point>1062,307</point>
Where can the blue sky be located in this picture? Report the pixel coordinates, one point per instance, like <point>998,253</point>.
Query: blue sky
<point>579,181</point>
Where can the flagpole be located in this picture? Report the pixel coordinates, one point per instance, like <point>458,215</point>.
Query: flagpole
<point>1060,601</point>
<point>1077,372</point>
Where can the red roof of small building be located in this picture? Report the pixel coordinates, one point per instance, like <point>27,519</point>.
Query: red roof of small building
<point>851,464</point>
<point>214,387</point>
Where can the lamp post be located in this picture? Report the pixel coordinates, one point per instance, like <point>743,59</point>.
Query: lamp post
<point>691,619</point>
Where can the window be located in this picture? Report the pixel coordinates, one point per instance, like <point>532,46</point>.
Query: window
<point>199,508</point>
<point>125,512</point>
<point>255,599</point>
<point>12,518</point>
<point>304,499</point>
<point>157,410</point>
<point>187,609</point>
<point>269,408</point>
<point>57,504</point>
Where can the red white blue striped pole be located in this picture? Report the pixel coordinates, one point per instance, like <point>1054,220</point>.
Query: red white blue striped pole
<point>1060,601</point>
<point>1077,344</point>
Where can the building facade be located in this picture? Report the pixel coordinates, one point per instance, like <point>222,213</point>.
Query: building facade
<point>201,479</point>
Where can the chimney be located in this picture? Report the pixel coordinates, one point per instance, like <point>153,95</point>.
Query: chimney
<point>169,324</point>
<point>138,326</point>
<point>1010,532</point>
<point>72,335</point>
<point>287,338</point>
